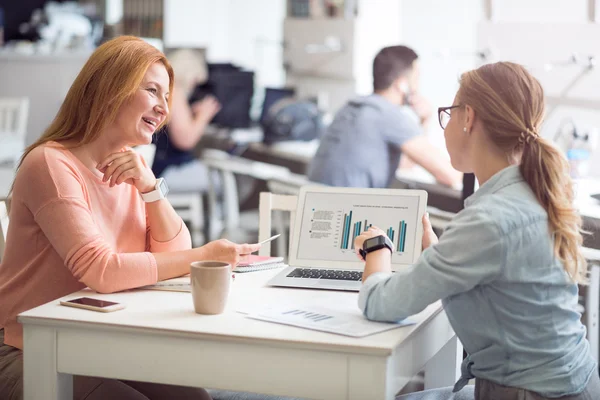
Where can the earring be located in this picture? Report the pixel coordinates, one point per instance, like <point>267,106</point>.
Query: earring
<point>465,129</point>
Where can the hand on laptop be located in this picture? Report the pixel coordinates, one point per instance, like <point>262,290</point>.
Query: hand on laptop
<point>429,236</point>
<point>360,239</point>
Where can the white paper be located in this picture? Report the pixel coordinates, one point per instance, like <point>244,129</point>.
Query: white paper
<point>342,322</point>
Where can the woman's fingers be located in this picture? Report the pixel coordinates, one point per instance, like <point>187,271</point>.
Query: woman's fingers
<point>109,169</point>
<point>247,248</point>
<point>111,158</point>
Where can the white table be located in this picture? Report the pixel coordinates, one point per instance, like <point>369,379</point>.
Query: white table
<point>159,338</point>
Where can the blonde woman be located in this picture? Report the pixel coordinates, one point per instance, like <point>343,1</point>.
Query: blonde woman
<point>175,160</point>
<point>508,265</point>
<point>87,211</point>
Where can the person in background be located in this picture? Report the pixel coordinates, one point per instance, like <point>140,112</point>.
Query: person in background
<point>175,160</point>
<point>508,265</point>
<point>87,211</point>
<point>363,144</point>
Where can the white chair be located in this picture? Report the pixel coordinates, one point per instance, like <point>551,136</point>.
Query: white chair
<point>270,202</point>
<point>188,205</point>
<point>227,167</point>
<point>289,185</point>
<point>13,129</point>
<point>3,227</point>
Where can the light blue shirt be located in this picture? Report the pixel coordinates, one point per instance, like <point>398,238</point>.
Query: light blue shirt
<point>506,295</point>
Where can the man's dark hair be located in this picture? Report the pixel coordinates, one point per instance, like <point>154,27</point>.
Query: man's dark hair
<point>391,63</point>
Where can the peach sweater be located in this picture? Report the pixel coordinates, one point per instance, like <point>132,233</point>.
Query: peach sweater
<point>69,230</point>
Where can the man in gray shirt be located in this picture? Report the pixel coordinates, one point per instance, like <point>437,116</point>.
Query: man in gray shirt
<point>363,144</point>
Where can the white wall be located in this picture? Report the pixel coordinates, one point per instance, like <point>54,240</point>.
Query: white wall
<point>246,33</point>
<point>337,76</point>
<point>537,33</point>
<point>448,39</point>
<point>539,10</point>
<point>44,79</point>
<point>443,33</point>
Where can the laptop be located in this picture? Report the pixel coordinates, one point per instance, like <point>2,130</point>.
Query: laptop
<point>322,254</point>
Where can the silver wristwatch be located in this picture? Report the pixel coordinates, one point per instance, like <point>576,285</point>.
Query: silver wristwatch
<point>160,192</point>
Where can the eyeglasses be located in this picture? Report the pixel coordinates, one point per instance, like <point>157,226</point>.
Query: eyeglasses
<point>444,115</point>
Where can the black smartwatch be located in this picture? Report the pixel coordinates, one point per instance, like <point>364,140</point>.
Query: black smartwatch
<point>375,243</point>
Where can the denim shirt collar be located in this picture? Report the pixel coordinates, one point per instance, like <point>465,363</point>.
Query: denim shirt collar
<point>499,180</point>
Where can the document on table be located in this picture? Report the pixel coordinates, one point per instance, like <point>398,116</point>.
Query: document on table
<point>342,322</point>
<point>181,284</point>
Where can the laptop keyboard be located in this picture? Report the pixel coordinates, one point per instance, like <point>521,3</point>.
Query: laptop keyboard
<point>335,274</point>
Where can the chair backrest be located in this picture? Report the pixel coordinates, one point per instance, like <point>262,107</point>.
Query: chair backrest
<point>268,203</point>
<point>227,167</point>
<point>3,226</point>
<point>13,127</point>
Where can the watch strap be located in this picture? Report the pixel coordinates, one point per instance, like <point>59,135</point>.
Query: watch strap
<point>156,194</point>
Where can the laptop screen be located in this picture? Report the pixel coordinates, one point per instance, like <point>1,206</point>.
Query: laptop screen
<point>331,221</point>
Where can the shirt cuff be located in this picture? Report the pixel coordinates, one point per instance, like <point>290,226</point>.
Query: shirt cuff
<point>181,241</point>
<point>368,286</point>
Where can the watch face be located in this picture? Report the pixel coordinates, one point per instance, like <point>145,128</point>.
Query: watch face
<point>372,242</point>
<point>162,186</point>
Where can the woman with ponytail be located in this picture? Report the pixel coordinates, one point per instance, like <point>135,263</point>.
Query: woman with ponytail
<point>508,265</point>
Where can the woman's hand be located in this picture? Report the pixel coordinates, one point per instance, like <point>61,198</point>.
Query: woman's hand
<point>421,106</point>
<point>360,239</point>
<point>226,251</point>
<point>127,166</point>
<point>429,236</point>
<point>206,108</point>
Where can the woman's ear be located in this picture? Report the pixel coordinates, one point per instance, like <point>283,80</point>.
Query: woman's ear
<point>469,118</point>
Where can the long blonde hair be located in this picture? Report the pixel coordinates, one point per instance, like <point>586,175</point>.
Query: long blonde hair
<point>509,101</point>
<point>190,69</point>
<point>110,77</point>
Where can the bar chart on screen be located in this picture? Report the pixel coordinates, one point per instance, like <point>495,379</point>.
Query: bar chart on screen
<point>397,236</point>
<point>328,224</point>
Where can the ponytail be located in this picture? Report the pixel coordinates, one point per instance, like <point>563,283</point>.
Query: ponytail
<point>509,101</point>
<point>546,171</point>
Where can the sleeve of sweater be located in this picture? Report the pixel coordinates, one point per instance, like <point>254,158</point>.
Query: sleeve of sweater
<point>181,241</point>
<point>57,197</point>
<point>470,252</point>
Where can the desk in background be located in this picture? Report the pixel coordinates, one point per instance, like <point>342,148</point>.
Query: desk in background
<point>158,338</point>
<point>296,156</point>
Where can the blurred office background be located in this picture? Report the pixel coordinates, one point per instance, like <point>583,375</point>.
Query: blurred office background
<point>318,50</point>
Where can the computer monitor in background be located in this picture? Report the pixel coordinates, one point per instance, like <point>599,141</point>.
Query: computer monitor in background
<point>272,96</point>
<point>233,87</point>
